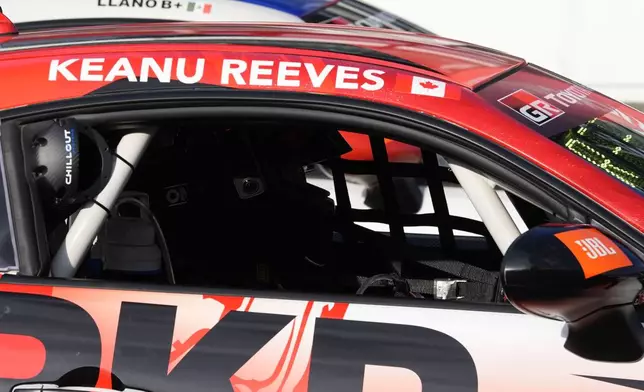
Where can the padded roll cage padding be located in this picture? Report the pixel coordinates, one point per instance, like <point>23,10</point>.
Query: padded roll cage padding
<point>92,216</point>
<point>26,213</point>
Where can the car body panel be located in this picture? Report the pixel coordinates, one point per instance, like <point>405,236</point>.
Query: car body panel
<point>160,341</point>
<point>27,74</point>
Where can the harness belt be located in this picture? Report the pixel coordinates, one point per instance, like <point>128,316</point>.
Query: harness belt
<point>472,284</point>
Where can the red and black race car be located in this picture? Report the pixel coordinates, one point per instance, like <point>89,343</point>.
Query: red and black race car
<point>164,228</point>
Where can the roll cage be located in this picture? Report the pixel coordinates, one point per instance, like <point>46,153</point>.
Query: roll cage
<point>499,165</point>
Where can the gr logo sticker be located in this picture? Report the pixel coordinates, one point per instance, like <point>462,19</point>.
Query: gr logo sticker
<point>531,107</point>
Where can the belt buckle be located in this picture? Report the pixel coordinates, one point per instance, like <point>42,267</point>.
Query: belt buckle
<point>446,288</point>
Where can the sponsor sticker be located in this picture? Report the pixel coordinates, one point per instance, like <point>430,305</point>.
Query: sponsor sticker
<point>595,252</point>
<point>189,6</point>
<point>75,76</point>
<point>199,6</point>
<point>531,107</point>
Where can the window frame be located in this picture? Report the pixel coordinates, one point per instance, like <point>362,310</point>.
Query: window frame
<point>7,220</point>
<point>474,152</point>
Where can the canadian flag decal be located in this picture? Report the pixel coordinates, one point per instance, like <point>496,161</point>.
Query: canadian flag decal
<point>429,87</point>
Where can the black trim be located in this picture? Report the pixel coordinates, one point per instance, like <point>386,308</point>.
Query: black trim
<point>624,382</point>
<point>499,77</point>
<point>290,295</point>
<point>120,158</point>
<point>342,196</point>
<point>101,206</point>
<point>439,200</point>
<point>399,169</point>
<point>387,189</point>
<point>447,139</point>
<point>454,222</point>
<point>31,238</point>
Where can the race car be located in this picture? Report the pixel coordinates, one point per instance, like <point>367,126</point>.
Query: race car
<point>163,229</point>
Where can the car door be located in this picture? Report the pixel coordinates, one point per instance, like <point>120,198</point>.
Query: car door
<point>60,334</point>
<point>283,344</point>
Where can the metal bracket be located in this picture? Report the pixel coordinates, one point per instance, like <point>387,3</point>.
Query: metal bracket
<point>443,288</point>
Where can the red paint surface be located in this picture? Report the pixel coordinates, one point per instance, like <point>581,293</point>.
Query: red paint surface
<point>6,26</point>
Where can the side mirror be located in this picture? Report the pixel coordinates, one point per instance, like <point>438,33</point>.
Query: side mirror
<point>577,274</point>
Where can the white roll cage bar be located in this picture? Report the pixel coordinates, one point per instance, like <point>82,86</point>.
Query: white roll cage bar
<point>92,216</point>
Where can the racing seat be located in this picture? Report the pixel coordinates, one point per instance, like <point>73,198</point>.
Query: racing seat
<point>131,246</point>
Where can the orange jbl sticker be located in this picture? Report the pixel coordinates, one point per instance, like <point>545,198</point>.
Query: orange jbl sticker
<point>595,252</point>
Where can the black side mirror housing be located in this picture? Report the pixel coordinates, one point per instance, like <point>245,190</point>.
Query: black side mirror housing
<point>577,274</point>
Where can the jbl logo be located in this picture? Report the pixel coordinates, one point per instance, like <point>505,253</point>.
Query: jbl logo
<point>594,252</point>
<point>595,248</point>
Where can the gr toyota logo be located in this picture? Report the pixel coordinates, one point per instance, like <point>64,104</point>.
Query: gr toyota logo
<point>531,107</point>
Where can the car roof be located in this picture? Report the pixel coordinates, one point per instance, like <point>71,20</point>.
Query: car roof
<point>462,63</point>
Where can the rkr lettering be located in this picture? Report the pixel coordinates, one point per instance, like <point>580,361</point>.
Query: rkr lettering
<point>25,318</point>
<point>346,356</point>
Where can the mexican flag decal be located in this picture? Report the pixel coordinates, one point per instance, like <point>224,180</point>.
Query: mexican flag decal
<point>199,6</point>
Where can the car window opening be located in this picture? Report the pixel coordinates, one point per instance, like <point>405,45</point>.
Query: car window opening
<point>614,143</point>
<point>287,205</point>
